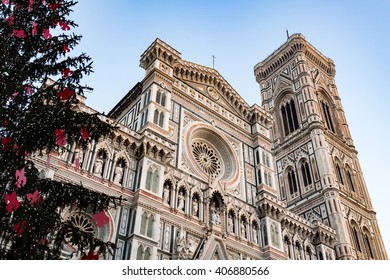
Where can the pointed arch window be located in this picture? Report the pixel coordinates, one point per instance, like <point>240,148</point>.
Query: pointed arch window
<point>327,116</point>
<point>160,98</point>
<point>289,117</point>
<point>339,174</point>
<point>292,182</point>
<point>152,178</point>
<point>350,181</point>
<point>147,224</point>
<point>367,244</point>
<point>158,118</point>
<point>306,176</point>
<point>355,238</point>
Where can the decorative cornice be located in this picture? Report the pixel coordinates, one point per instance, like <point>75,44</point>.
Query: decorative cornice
<point>296,43</point>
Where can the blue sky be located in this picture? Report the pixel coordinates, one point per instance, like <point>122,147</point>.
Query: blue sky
<point>355,34</point>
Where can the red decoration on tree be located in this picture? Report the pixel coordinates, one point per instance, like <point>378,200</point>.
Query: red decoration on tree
<point>34,197</point>
<point>6,141</point>
<point>53,6</point>
<point>30,5</point>
<point>61,139</point>
<point>66,72</point>
<point>65,94</point>
<point>19,228</point>
<point>66,48</point>
<point>46,33</point>
<point>101,219</point>
<point>20,178</point>
<point>19,33</point>
<point>34,31</point>
<point>91,256</point>
<point>5,2</point>
<point>64,25</point>
<point>29,89</point>
<point>11,201</point>
<point>84,133</point>
<point>10,20</point>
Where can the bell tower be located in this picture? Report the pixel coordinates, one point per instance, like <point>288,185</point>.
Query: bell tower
<point>317,166</point>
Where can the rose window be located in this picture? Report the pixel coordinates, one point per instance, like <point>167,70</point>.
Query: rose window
<point>83,223</point>
<point>206,158</point>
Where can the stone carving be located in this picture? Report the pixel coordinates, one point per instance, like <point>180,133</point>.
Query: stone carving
<point>215,216</point>
<point>243,229</point>
<point>254,235</point>
<point>230,224</point>
<point>166,194</point>
<point>118,174</point>
<point>195,207</point>
<point>180,201</point>
<point>97,170</point>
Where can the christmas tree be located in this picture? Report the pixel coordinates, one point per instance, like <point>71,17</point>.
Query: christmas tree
<point>37,117</point>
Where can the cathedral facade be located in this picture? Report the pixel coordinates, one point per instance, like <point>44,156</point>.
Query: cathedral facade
<point>206,176</point>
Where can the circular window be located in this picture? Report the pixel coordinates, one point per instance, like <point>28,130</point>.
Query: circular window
<point>209,154</point>
<point>206,158</point>
<point>83,223</point>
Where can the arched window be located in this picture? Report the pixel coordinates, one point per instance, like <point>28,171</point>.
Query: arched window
<point>161,121</point>
<point>339,174</point>
<point>327,116</point>
<point>292,182</point>
<point>147,254</point>
<point>155,117</point>
<point>289,117</point>
<point>152,178</point>
<point>367,245</point>
<point>306,176</point>
<point>350,181</point>
<point>147,223</point>
<point>140,253</point>
<point>160,98</point>
<point>355,237</point>
<point>158,118</point>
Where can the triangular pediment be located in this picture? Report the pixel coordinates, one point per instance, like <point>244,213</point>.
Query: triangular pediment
<point>281,84</point>
<point>211,84</point>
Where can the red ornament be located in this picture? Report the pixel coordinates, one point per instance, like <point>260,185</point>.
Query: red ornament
<point>101,219</point>
<point>66,48</point>
<point>61,139</point>
<point>30,5</point>
<point>64,25</point>
<point>29,89</point>
<point>19,228</point>
<point>91,256</point>
<point>12,202</point>
<point>65,94</point>
<point>5,2</point>
<point>20,178</point>
<point>6,141</point>
<point>34,197</point>
<point>19,33</point>
<point>53,6</point>
<point>84,133</point>
<point>10,20</point>
<point>66,72</point>
<point>46,33</point>
<point>34,31</point>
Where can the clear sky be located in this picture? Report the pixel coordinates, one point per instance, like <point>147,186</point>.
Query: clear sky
<point>355,34</point>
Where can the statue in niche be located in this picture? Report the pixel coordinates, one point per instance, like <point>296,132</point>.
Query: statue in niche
<point>243,229</point>
<point>97,169</point>
<point>195,207</point>
<point>254,234</point>
<point>230,224</point>
<point>118,174</point>
<point>180,201</point>
<point>166,195</point>
<point>215,217</point>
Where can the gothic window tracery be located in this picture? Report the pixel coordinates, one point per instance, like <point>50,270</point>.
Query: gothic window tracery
<point>206,158</point>
<point>292,181</point>
<point>147,224</point>
<point>306,174</point>
<point>289,117</point>
<point>152,179</point>
<point>160,98</point>
<point>327,116</point>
